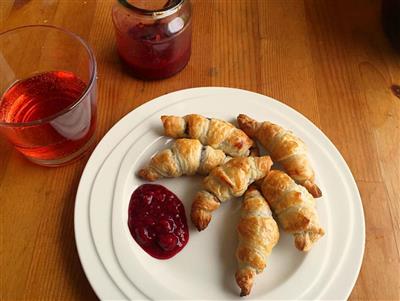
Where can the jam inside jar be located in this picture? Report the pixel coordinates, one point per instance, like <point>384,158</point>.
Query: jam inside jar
<point>153,41</point>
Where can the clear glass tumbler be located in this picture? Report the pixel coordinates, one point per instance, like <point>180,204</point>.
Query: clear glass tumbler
<point>48,88</point>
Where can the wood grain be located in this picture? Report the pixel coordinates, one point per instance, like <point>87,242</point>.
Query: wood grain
<point>379,276</point>
<point>330,60</point>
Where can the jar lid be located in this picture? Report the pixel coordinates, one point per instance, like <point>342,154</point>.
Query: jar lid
<point>158,9</point>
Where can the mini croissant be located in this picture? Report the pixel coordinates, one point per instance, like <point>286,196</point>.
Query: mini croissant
<point>185,157</point>
<point>224,182</point>
<point>294,208</point>
<point>258,233</point>
<point>284,148</point>
<point>214,132</point>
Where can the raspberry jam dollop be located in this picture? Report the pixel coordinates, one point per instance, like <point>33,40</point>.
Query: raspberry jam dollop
<point>157,221</point>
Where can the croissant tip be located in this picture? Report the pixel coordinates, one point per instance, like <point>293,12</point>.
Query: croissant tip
<point>245,122</point>
<point>306,241</point>
<point>198,222</point>
<point>147,175</point>
<point>200,226</point>
<point>142,173</point>
<point>313,189</point>
<point>241,115</point>
<point>317,192</point>
<point>241,118</point>
<point>301,245</point>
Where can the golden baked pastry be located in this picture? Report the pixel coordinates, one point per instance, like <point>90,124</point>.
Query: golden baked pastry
<point>209,131</point>
<point>294,208</point>
<point>258,233</point>
<point>284,148</point>
<point>185,157</point>
<point>224,182</point>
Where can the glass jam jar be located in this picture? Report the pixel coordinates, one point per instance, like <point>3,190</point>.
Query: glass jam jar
<point>153,37</point>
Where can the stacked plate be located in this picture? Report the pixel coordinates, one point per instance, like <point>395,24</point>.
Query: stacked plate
<point>118,268</point>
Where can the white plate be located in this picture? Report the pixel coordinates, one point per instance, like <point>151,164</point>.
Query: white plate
<point>117,267</point>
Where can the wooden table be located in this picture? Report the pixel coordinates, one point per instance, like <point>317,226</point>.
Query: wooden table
<point>327,59</point>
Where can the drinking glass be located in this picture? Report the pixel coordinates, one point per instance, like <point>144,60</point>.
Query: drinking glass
<point>48,88</point>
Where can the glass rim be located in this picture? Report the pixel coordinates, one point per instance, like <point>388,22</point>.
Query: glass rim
<point>158,13</point>
<point>90,84</point>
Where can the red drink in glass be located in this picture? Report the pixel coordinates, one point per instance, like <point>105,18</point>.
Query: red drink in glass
<point>48,93</point>
<point>38,98</point>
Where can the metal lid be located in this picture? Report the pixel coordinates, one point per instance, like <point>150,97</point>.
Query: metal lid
<point>166,8</point>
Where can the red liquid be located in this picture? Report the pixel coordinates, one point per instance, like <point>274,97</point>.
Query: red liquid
<point>42,96</point>
<point>157,221</point>
<point>150,52</point>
